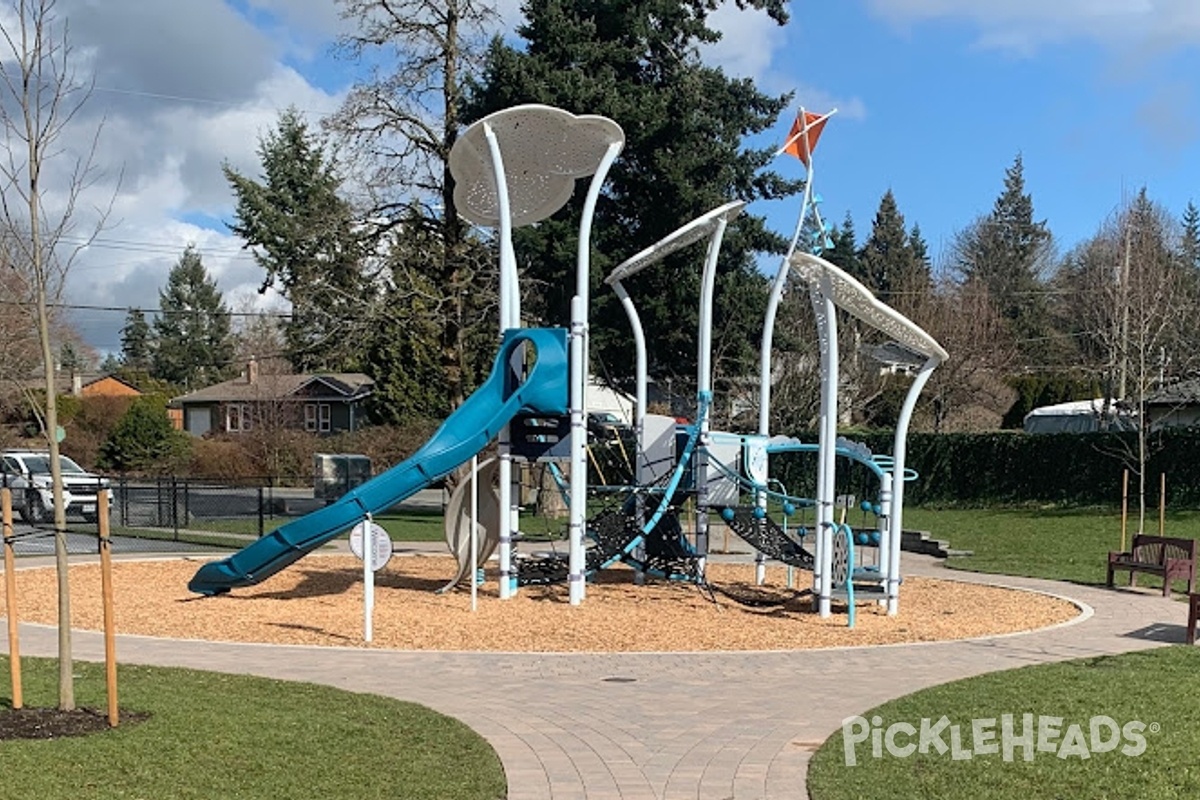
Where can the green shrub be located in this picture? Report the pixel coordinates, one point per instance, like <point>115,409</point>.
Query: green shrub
<point>144,440</point>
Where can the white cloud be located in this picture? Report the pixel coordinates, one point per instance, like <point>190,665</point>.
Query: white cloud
<point>753,45</point>
<point>750,41</point>
<point>1022,26</point>
<point>172,106</point>
<point>821,101</point>
<point>183,87</point>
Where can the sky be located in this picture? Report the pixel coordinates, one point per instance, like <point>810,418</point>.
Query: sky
<point>935,99</point>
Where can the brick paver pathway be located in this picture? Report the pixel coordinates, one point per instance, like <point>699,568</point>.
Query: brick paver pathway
<point>667,725</point>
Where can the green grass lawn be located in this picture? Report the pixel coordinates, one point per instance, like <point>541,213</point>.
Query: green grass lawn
<point>1155,688</point>
<point>211,736</point>
<point>1064,544</point>
<point>237,532</point>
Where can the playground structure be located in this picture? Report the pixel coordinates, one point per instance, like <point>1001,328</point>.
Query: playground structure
<point>517,167</point>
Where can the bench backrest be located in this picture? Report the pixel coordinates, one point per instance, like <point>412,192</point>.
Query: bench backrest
<point>1157,549</point>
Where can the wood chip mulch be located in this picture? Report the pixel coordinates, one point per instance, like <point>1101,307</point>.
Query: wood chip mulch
<point>318,601</point>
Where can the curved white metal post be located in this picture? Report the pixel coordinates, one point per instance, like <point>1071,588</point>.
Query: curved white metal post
<point>578,493</point>
<point>639,411</point>
<point>579,378</point>
<point>899,451</point>
<point>508,288</point>
<point>826,313</point>
<point>474,539</point>
<point>708,282</point>
<point>773,300</point>
<point>640,372</point>
<point>778,287</point>
<point>841,290</point>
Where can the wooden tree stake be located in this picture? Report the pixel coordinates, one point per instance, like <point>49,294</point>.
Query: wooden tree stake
<point>106,591</point>
<point>1124,506</point>
<point>10,599</point>
<point>1162,503</point>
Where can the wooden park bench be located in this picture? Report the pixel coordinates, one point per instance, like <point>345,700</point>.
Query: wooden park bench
<point>1157,555</point>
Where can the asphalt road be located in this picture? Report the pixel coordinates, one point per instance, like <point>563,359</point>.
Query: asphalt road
<point>29,541</point>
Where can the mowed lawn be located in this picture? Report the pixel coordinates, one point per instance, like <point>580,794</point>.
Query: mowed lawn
<point>211,735</point>
<point>1150,754</point>
<point>1068,544</point>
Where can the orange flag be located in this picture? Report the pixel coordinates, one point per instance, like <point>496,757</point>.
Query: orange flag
<point>815,123</point>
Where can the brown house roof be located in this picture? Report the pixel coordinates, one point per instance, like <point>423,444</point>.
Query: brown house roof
<point>346,386</point>
<point>108,386</point>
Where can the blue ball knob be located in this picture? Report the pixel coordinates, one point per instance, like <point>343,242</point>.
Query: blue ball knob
<point>861,538</point>
<point>727,514</point>
<point>877,509</point>
<point>865,505</point>
<point>759,512</point>
<point>876,537</point>
<point>788,509</point>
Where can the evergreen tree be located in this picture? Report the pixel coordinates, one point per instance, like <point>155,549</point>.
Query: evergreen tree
<point>684,154</point>
<point>194,345</point>
<point>68,358</point>
<point>920,248</point>
<point>144,439</point>
<point>1007,252</point>
<point>844,253</point>
<point>1189,241</point>
<point>411,368</point>
<point>305,235</point>
<point>889,265</point>
<point>137,341</point>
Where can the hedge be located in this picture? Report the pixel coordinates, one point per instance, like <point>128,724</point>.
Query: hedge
<point>1014,468</point>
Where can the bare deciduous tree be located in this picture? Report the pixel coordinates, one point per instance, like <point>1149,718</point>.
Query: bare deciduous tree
<point>963,318</point>
<point>402,123</point>
<point>1135,301</point>
<point>44,176</point>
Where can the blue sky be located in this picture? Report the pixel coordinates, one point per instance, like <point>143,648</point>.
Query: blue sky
<point>938,105</point>
<point>936,97</point>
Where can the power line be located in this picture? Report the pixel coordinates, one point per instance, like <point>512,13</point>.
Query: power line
<point>149,311</point>
<point>180,98</point>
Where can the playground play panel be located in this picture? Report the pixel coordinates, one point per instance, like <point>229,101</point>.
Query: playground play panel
<point>320,603</point>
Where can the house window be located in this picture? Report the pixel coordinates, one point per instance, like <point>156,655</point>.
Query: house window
<point>237,417</point>
<point>318,417</point>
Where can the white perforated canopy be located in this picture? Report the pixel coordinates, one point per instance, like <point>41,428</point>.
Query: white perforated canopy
<point>857,300</point>
<point>680,238</point>
<point>544,150</point>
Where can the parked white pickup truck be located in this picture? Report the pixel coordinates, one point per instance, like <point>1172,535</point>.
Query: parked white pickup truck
<point>27,474</point>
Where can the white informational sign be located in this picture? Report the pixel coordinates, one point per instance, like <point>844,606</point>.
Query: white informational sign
<point>756,459</point>
<point>381,545</point>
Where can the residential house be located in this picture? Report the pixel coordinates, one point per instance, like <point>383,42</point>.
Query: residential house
<point>321,404</point>
<point>1175,405</point>
<point>104,386</point>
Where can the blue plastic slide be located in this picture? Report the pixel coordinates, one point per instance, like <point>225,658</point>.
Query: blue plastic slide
<point>467,431</point>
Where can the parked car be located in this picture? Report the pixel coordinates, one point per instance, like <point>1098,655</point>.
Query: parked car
<point>27,474</point>
<point>604,426</point>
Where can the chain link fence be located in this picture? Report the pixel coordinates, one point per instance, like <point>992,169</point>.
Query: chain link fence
<point>188,507</point>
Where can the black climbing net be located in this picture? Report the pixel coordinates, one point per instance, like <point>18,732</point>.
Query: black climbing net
<point>764,535</point>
